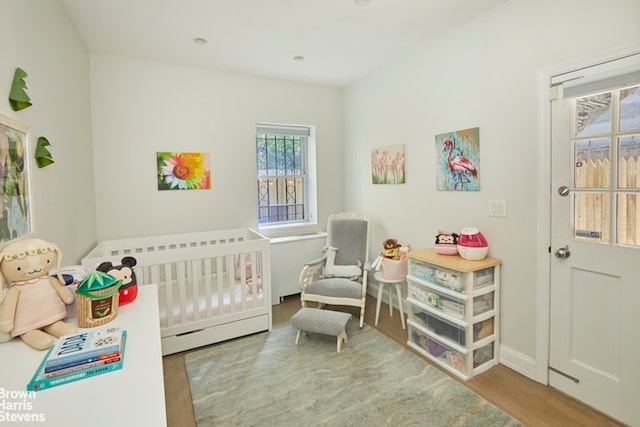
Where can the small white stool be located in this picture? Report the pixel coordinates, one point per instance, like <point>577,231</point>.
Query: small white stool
<point>326,322</point>
<point>381,283</point>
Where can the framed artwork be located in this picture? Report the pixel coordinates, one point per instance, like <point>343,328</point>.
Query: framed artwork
<point>183,171</point>
<point>15,191</point>
<point>458,160</point>
<point>387,165</point>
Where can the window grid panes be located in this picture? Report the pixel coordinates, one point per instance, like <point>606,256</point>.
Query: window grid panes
<point>606,145</point>
<point>281,178</point>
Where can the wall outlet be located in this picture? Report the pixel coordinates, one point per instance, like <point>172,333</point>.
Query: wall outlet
<point>498,208</point>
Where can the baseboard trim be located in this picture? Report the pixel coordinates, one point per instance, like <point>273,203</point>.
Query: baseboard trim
<point>519,362</point>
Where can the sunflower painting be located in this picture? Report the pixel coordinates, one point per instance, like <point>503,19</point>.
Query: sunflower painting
<point>183,171</point>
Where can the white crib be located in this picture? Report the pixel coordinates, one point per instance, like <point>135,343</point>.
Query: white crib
<point>212,285</point>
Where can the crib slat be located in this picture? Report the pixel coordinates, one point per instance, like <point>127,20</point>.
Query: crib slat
<point>230,282</point>
<point>207,283</point>
<point>238,286</point>
<point>195,286</point>
<point>180,283</point>
<point>254,279</point>
<point>220,280</point>
<point>168,281</point>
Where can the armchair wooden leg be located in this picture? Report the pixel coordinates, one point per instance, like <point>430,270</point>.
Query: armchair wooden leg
<point>298,336</point>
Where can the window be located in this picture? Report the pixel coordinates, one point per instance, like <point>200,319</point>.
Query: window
<point>606,140</point>
<point>285,163</point>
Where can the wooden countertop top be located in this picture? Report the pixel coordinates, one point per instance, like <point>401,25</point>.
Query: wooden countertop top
<point>453,262</point>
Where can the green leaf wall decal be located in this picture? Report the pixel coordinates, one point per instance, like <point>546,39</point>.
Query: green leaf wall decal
<point>43,156</point>
<point>18,98</point>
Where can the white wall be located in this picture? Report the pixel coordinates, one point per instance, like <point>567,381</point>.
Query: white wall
<point>140,108</point>
<point>38,36</point>
<point>483,74</point>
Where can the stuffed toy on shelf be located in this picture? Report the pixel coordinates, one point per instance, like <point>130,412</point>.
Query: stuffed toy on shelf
<point>35,304</point>
<point>129,289</point>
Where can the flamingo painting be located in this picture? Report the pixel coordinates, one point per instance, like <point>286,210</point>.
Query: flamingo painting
<point>458,171</point>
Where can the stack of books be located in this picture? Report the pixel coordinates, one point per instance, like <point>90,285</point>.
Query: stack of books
<point>81,355</point>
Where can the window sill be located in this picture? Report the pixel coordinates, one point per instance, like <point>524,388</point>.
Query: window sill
<point>289,230</point>
<point>298,238</point>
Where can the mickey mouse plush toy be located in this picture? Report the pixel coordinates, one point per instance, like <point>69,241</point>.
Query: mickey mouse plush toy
<point>129,289</point>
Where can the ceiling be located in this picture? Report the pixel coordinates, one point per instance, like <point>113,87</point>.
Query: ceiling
<point>340,41</point>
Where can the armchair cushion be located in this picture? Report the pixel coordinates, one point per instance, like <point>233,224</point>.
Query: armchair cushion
<point>337,287</point>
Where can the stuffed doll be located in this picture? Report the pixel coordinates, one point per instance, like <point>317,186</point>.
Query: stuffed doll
<point>34,305</point>
<point>129,289</point>
<point>4,336</point>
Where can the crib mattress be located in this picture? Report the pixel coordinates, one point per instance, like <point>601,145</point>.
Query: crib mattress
<point>181,305</point>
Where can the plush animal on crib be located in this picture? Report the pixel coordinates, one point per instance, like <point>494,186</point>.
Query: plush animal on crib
<point>248,274</point>
<point>124,272</point>
<point>35,304</point>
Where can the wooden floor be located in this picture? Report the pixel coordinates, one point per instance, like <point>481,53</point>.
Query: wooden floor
<point>533,404</point>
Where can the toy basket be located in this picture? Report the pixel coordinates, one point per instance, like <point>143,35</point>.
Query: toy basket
<point>393,269</point>
<point>97,299</point>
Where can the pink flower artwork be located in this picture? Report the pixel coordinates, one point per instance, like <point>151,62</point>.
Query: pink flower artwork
<point>387,165</point>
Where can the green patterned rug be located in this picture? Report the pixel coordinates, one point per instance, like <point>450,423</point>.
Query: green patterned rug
<point>266,380</point>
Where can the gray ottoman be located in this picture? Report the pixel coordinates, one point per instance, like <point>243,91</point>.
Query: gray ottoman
<point>326,322</point>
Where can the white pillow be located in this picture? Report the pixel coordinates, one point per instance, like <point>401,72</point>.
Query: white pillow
<point>332,270</point>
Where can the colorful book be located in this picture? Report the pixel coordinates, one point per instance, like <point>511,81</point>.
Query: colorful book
<point>81,367</point>
<point>40,381</point>
<point>84,346</point>
<point>81,362</point>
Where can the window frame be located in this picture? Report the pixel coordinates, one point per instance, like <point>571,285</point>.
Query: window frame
<point>309,224</point>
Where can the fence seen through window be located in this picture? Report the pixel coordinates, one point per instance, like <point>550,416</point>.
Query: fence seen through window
<point>607,167</point>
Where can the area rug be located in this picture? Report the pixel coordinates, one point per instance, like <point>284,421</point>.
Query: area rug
<point>266,380</point>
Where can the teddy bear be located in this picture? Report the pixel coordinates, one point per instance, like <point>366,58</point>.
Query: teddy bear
<point>391,249</point>
<point>124,272</point>
<point>35,304</point>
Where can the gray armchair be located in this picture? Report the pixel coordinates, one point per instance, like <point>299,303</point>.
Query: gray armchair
<point>340,276</point>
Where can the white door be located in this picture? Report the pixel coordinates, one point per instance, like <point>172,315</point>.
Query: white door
<point>595,250</point>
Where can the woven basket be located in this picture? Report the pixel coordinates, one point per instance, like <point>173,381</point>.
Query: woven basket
<point>97,299</point>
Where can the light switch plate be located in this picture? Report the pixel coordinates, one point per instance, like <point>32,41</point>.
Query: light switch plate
<point>498,208</point>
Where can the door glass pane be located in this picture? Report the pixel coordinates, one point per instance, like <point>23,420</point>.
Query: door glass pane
<point>630,109</point>
<point>592,163</point>
<point>628,159</point>
<point>593,115</point>
<point>628,218</point>
<point>592,216</point>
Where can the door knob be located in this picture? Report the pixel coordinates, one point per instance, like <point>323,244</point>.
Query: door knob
<point>563,252</point>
